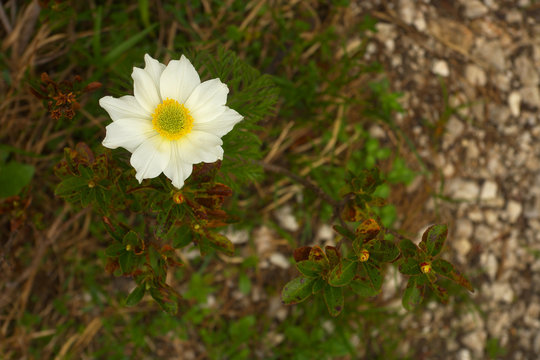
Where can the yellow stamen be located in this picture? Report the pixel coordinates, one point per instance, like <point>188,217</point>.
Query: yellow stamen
<point>425,267</point>
<point>364,255</point>
<point>172,120</point>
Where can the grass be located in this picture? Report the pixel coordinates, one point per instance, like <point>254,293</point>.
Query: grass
<point>58,302</point>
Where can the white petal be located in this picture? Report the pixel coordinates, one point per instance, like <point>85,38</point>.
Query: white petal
<point>145,90</point>
<point>200,146</point>
<point>128,133</point>
<point>177,170</point>
<point>124,107</point>
<point>151,157</point>
<point>211,93</point>
<point>220,125</point>
<point>178,80</point>
<point>154,68</point>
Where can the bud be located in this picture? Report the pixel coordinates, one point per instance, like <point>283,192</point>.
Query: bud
<point>364,255</point>
<point>128,247</point>
<point>178,197</point>
<point>91,184</point>
<point>425,267</point>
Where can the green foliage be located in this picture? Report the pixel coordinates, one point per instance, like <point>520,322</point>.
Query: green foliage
<point>423,263</point>
<point>14,176</point>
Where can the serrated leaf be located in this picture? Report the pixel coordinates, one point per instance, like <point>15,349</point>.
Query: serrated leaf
<point>346,233</point>
<point>367,230</point>
<point>446,269</point>
<point>384,251</point>
<point>309,268</point>
<point>317,254</point>
<point>333,297</point>
<point>70,185</point>
<point>413,294</point>
<point>297,290</point>
<point>220,242</point>
<point>440,292</point>
<point>333,255</point>
<point>318,284</point>
<point>409,266</point>
<point>343,273</point>
<point>408,248</point>
<point>127,262</point>
<point>433,239</point>
<point>363,287</point>
<point>135,296</point>
<point>115,250</point>
<point>182,237</point>
<point>372,272</point>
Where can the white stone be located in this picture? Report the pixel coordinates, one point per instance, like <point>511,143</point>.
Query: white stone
<point>489,190</point>
<point>476,341</point>
<point>526,71</point>
<point>325,233</point>
<point>464,228</point>
<point>286,218</point>
<point>530,95</point>
<point>490,264</point>
<point>463,189</point>
<point>513,210</point>
<point>406,10</point>
<point>280,260</point>
<point>514,102</point>
<point>475,75</point>
<point>462,246</point>
<point>491,52</point>
<point>440,67</point>
<point>475,9</point>
<point>464,354</point>
<point>502,292</point>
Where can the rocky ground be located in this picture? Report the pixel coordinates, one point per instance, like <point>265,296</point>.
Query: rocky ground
<point>468,71</point>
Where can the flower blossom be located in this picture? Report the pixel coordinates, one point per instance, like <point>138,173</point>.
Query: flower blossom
<point>172,122</point>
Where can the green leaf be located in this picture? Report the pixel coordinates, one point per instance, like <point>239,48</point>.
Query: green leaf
<point>409,266</point>
<point>363,287</point>
<point>318,284</point>
<point>70,185</point>
<point>373,273</point>
<point>309,268</point>
<point>446,269</point>
<point>115,250</point>
<point>343,273</point>
<point>166,297</point>
<point>408,248</point>
<point>13,177</point>
<point>433,239</point>
<point>346,233</point>
<point>413,295</point>
<point>127,262</point>
<point>221,243</point>
<point>440,292</point>
<point>297,290</point>
<point>333,297</point>
<point>384,251</point>
<point>135,296</point>
<point>182,237</point>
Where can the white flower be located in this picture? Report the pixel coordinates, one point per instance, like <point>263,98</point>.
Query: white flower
<point>172,122</point>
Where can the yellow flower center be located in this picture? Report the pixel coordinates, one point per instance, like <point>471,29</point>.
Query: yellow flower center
<point>172,120</point>
<point>364,255</point>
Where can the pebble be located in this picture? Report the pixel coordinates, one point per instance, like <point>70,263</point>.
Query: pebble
<point>489,191</point>
<point>475,9</point>
<point>514,102</point>
<point>475,75</point>
<point>440,67</point>
<point>286,218</point>
<point>513,210</point>
<point>279,260</point>
<point>475,341</point>
<point>530,96</point>
<point>502,292</point>
<point>526,71</point>
<point>463,189</point>
<point>492,53</point>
